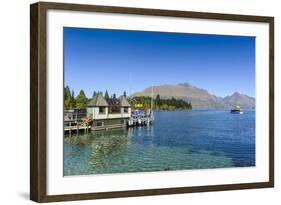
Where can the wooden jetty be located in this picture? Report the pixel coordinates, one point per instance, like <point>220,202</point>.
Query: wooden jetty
<point>103,114</point>
<point>71,126</point>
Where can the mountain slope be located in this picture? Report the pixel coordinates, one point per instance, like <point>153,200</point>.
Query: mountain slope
<point>240,99</point>
<point>199,98</point>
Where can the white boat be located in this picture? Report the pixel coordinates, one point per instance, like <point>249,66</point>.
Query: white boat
<point>236,110</point>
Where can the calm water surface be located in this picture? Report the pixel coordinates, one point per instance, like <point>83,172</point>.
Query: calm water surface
<point>177,140</point>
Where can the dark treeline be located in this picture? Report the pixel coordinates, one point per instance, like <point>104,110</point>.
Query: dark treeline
<point>160,104</point>
<point>81,100</point>
<point>142,102</point>
<point>71,102</point>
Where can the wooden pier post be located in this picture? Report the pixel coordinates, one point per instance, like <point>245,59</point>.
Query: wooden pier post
<point>70,128</point>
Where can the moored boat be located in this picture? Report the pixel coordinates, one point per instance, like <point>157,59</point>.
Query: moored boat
<point>236,110</point>
<point>140,117</point>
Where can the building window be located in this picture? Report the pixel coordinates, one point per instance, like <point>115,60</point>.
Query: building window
<point>99,124</point>
<point>114,109</point>
<point>122,121</point>
<point>126,110</point>
<point>101,110</point>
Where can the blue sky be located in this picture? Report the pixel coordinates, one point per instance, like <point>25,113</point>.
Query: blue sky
<point>116,60</point>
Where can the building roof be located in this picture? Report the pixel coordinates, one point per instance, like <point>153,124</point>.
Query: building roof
<point>124,102</point>
<point>114,102</point>
<point>98,100</point>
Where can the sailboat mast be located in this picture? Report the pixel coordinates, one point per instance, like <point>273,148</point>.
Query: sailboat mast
<point>151,106</point>
<point>130,84</point>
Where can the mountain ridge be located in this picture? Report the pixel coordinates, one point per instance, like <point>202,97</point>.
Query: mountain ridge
<point>198,97</point>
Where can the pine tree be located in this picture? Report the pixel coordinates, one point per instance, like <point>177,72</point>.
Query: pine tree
<point>106,95</point>
<point>68,101</point>
<point>81,100</point>
<point>94,94</point>
<point>73,99</point>
<point>125,94</point>
<point>158,101</point>
<point>66,92</point>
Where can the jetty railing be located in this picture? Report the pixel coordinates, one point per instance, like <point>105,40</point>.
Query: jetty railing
<point>76,125</point>
<point>141,118</point>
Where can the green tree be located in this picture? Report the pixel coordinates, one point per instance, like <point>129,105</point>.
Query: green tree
<point>81,100</point>
<point>68,103</point>
<point>157,101</point>
<point>94,94</point>
<point>66,92</point>
<point>125,94</point>
<point>68,99</point>
<point>106,95</point>
<point>114,96</point>
<point>73,101</point>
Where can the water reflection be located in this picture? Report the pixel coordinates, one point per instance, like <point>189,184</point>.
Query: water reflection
<point>197,140</point>
<point>107,148</point>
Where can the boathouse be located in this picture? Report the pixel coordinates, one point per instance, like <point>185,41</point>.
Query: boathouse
<point>108,113</point>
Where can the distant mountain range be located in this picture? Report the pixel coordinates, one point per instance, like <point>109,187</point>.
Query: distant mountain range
<point>199,98</point>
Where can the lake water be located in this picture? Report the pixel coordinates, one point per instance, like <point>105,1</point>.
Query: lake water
<point>177,140</point>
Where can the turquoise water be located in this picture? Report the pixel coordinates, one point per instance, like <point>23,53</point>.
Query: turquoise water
<point>177,140</point>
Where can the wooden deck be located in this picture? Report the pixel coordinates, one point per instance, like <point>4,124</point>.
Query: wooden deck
<point>87,124</point>
<point>108,127</point>
<point>76,126</point>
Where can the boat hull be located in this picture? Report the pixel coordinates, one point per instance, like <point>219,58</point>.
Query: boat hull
<point>236,112</point>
